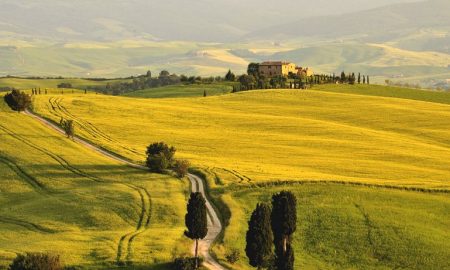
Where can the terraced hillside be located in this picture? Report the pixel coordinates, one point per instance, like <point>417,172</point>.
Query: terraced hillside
<point>60,197</point>
<point>277,135</point>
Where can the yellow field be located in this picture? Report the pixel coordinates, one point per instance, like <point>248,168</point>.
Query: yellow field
<point>57,196</point>
<point>275,135</point>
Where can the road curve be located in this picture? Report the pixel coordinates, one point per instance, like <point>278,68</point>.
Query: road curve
<point>197,185</point>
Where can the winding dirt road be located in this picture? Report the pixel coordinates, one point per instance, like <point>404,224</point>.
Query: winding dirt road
<point>197,185</point>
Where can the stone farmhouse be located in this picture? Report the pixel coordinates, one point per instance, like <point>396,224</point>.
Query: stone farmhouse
<point>279,68</point>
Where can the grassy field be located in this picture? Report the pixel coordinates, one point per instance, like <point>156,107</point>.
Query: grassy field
<point>23,83</point>
<point>348,227</point>
<point>194,90</point>
<point>60,197</point>
<point>277,135</point>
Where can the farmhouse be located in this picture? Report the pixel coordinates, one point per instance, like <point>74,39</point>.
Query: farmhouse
<point>279,68</point>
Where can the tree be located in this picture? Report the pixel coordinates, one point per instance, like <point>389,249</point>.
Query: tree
<point>204,93</point>
<point>181,167</point>
<point>368,79</point>
<point>248,81</point>
<point>359,78</point>
<point>288,261</point>
<point>18,101</point>
<point>68,126</point>
<point>149,74</point>
<point>364,79</point>
<point>284,222</point>
<point>65,85</point>
<point>159,156</point>
<point>253,69</point>
<point>196,220</point>
<point>259,237</point>
<point>343,77</point>
<point>36,261</point>
<point>163,74</point>
<point>230,76</point>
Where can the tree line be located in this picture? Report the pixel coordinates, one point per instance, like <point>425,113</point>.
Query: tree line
<point>253,80</point>
<point>146,81</point>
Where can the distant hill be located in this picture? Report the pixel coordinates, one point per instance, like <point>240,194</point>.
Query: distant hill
<point>200,20</point>
<point>375,25</point>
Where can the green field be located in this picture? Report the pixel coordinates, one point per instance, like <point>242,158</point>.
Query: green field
<point>59,197</point>
<point>276,135</point>
<point>348,227</point>
<point>23,83</point>
<point>195,90</point>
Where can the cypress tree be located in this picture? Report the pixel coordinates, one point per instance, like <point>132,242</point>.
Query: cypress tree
<point>196,220</point>
<point>284,223</point>
<point>342,76</point>
<point>359,78</point>
<point>259,237</point>
<point>368,79</point>
<point>364,79</point>
<point>288,262</point>
<point>204,93</point>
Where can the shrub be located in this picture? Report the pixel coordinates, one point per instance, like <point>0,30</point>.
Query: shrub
<point>233,256</point>
<point>159,156</point>
<point>18,101</point>
<point>64,85</point>
<point>181,167</point>
<point>186,263</point>
<point>36,261</point>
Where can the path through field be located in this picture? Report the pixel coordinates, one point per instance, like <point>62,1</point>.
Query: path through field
<point>214,224</point>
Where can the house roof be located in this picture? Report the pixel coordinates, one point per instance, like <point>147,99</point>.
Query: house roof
<point>274,63</point>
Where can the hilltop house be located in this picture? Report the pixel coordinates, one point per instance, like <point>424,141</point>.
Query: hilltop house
<point>279,68</point>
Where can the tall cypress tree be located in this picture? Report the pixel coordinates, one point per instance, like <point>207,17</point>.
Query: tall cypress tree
<point>364,79</point>
<point>284,223</point>
<point>368,79</point>
<point>196,220</point>
<point>359,78</point>
<point>259,237</point>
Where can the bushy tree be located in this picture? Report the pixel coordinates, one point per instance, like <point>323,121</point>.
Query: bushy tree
<point>196,220</point>
<point>181,167</point>
<point>36,261</point>
<point>17,100</point>
<point>230,76</point>
<point>159,156</point>
<point>259,237</point>
<point>248,81</point>
<point>253,69</point>
<point>69,127</point>
<point>64,85</point>
<point>284,222</point>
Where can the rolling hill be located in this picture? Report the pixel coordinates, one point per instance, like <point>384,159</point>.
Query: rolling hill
<point>59,197</point>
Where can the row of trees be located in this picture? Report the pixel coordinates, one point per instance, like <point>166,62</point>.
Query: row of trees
<point>147,81</point>
<point>253,80</point>
<point>270,233</point>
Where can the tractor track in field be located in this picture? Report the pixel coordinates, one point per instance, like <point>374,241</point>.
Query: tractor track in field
<point>197,184</point>
<point>27,225</point>
<point>143,193</point>
<point>30,180</point>
<point>59,110</point>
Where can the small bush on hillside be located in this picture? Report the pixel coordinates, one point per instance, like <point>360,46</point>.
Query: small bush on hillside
<point>18,101</point>
<point>64,85</point>
<point>233,256</point>
<point>181,168</point>
<point>69,127</point>
<point>160,157</point>
<point>36,261</point>
<point>186,263</point>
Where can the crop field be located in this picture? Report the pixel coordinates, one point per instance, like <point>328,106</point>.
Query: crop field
<point>349,227</point>
<point>59,197</point>
<point>272,135</point>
